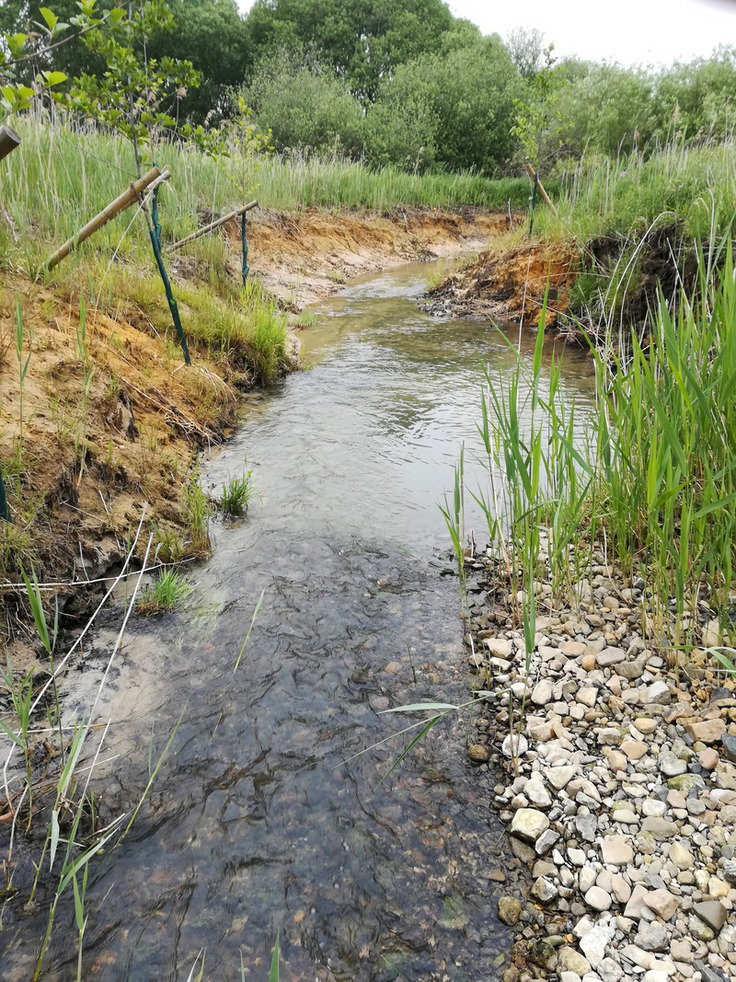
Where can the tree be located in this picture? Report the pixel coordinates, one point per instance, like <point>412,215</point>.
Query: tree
<point>304,104</point>
<point>362,40</point>
<point>212,36</point>
<point>609,108</point>
<point>401,129</point>
<point>25,70</point>
<point>697,100</point>
<point>527,51</point>
<point>538,118</point>
<point>469,93</point>
<point>136,97</point>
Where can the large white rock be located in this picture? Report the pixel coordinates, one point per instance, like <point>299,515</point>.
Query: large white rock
<point>528,824</point>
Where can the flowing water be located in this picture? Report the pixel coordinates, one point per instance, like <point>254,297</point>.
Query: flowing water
<point>261,819</point>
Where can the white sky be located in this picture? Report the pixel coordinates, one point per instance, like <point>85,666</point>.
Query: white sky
<point>627,31</point>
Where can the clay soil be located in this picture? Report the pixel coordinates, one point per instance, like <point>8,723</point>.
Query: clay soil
<point>304,257</point>
<point>508,282</point>
<point>89,465</point>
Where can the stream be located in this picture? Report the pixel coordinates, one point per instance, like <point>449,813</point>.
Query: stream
<point>261,818</point>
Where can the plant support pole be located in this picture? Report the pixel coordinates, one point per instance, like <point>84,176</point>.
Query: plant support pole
<point>123,201</point>
<point>534,176</point>
<point>244,242</point>
<point>213,225</point>
<point>9,140</point>
<point>4,510</point>
<point>155,233</point>
<point>534,203</point>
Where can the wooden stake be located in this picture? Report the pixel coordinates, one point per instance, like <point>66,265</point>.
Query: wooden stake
<point>9,140</point>
<point>123,201</point>
<point>213,225</point>
<point>545,197</point>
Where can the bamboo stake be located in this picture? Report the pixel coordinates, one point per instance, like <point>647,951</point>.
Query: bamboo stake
<point>9,140</point>
<point>545,197</point>
<point>123,201</point>
<point>213,225</point>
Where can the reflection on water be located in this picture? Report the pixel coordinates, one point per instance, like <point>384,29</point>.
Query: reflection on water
<point>255,824</point>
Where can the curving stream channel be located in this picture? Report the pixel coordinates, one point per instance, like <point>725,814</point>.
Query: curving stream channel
<point>255,825</point>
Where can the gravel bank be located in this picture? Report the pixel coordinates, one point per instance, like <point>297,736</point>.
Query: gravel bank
<point>620,795</point>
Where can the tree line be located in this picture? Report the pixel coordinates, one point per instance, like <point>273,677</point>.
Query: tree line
<point>403,82</point>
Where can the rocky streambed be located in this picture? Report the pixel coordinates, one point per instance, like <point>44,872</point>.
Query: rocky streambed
<point>620,795</point>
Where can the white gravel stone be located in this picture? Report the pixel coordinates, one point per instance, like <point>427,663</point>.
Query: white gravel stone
<point>514,746</point>
<point>542,692</point>
<point>586,878</point>
<point>587,696</point>
<point>598,899</point>
<point>616,850</point>
<point>595,942</point>
<point>559,777</point>
<point>528,824</point>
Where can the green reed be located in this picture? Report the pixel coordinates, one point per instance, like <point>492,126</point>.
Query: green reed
<point>655,478</point>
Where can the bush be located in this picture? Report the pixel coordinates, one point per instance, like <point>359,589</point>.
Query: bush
<point>401,132</point>
<point>304,105</point>
<point>458,105</point>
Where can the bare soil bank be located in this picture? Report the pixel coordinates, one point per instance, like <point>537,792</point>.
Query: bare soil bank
<point>90,462</point>
<point>303,257</point>
<point>511,284</point>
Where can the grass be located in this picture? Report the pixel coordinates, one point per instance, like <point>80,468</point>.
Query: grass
<point>62,175</point>
<point>165,595</point>
<point>61,784</point>
<point>236,495</point>
<point>196,513</point>
<point>693,185</point>
<point>654,483</point>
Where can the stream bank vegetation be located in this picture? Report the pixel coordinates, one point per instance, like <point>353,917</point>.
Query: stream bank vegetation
<point>56,822</point>
<point>646,496</point>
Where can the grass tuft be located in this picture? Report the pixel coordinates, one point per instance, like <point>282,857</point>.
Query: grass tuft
<point>165,595</point>
<point>236,495</point>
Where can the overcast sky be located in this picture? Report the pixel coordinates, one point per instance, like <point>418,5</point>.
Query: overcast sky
<point>627,31</point>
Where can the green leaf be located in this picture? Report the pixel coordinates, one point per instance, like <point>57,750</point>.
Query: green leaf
<point>16,43</point>
<point>273,975</point>
<point>82,860</point>
<point>423,732</point>
<point>53,78</point>
<point>34,598</point>
<point>13,736</point>
<point>49,16</point>
<point>417,706</point>
<point>78,905</point>
<point>722,503</point>
<point>54,837</point>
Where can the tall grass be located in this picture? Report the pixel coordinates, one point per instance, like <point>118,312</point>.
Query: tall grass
<point>62,174</point>
<point>655,480</point>
<point>298,180</point>
<point>666,449</point>
<point>693,185</point>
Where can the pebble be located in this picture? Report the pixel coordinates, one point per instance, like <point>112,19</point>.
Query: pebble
<point>598,899</point>
<point>617,851</point>
<point>662,902</point>
<point>621,794</point>
<point>528,824</point>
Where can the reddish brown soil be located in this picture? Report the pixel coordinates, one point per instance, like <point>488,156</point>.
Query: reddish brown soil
<point>511,283</point>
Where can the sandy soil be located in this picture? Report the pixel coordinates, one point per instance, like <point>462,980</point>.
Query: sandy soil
<point>509,282</point>
<point>304,257</point>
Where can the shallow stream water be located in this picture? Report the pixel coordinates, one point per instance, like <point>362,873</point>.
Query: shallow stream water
<point>255,824</point>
